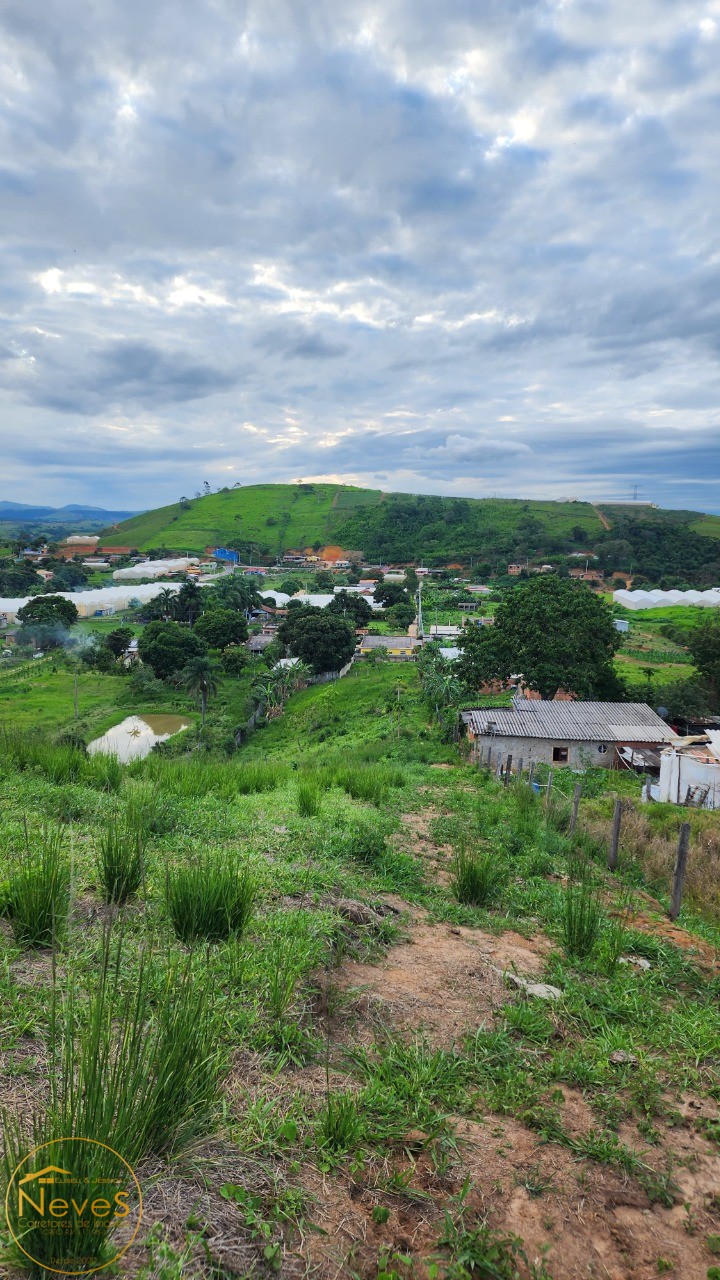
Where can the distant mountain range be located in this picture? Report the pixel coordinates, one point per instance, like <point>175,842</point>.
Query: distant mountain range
<point>23,513</point>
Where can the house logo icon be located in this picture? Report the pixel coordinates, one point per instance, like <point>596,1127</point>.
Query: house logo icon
<point>73,1206</point>
<point>45,1177</point>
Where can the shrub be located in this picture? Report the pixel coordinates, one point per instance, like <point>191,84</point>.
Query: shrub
<point>582,919</point>
<point>38,891</point>
<point>211,899</point>
<point>477,878</point>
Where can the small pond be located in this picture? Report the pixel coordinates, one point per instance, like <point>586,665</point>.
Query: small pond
<point>136,736</point>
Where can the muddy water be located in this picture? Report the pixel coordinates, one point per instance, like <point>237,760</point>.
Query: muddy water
<point>136,736</point>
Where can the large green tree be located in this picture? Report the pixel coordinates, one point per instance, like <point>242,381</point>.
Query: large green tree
<point>553,632</point>
<point>390,593</point>
<point>118,640</point>
<point>17,579</point>
<point>221,627</point>
<point>322,639</point>
<point>48,611</point>
<point>704,644</point>
<point>167,647</point>
<point>352,606</point>
<point>233,591</point>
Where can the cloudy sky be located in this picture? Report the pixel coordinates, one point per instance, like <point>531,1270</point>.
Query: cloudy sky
<point>464,248</point>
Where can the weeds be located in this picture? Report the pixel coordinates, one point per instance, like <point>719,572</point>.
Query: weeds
<point>339,1125</point>
<point>211,899</point>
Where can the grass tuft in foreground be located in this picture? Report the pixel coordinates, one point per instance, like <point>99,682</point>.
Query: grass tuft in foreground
<point>478,877</point>
<point>582,920</point>
<point>38,891</point>
<point>211,899</point>
<point>138,1068</point>
<point>121,861</point>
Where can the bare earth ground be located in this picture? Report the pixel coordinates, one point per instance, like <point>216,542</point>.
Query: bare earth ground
<point>444,981</point>
<point>599,1225</point>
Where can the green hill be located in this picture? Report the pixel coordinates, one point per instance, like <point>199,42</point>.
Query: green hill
<point>264,521</point>
<point>271,518</point>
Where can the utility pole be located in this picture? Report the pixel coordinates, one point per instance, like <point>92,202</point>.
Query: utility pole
<point>418,599</point>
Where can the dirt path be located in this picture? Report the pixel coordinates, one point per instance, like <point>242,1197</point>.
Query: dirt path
<point>602,518</point>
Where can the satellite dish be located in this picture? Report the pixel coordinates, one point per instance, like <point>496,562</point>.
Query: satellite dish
<point>662,712</point>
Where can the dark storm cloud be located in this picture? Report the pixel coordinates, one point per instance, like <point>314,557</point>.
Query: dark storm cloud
<point>468,250</point>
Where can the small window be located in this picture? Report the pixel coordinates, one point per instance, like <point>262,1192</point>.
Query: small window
<point>560,755</point>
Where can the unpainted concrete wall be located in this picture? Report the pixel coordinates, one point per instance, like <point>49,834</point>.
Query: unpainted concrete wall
<point>540,751</point>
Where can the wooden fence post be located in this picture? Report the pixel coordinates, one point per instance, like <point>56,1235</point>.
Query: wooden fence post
<point>548,790</point>
<point>679,872</point>
<point>615,836</point>
<point>508,766</point>
<point>575,806</point>
<point>531,773</point>
<point>519,768</point>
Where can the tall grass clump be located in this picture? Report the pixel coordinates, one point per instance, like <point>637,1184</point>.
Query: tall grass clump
<point>38,890</point>
<point>369,783</point>
<point>211,899</point>
<point>309,798</point>
<point>209,775</point>
<point>135,1069</point>
<point>478,877</point>
<point>582,920</point>
<point>250,778</point>
<point>148,810</point>
<point>339,1124</point>
<point>121,860</point>
<point>61,763</point>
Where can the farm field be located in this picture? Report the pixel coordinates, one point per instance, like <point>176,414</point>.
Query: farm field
<point>332,942</point>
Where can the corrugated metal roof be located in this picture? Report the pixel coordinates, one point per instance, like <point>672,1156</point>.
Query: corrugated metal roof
<point>573,721</point>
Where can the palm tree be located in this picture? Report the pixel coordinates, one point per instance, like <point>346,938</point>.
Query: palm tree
<point>165,602</point>
<point>199,678</point>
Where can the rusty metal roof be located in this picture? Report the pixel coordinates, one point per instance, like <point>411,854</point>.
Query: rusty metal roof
<point>572,721</point>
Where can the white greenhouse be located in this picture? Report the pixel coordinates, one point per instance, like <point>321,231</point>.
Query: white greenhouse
<point>153,569</point>
<point>89,604</point>
<point>657,599</point>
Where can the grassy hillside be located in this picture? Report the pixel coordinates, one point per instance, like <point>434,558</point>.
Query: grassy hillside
<point>271,518</point>
<point>670,548</point>
<point>263,518</point>
<point>321,981</point>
